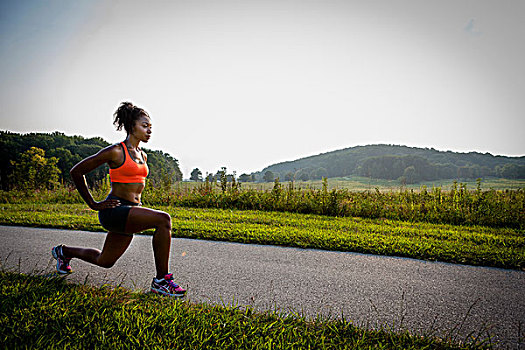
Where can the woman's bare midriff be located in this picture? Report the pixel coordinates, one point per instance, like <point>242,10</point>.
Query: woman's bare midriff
<point>130,192</point>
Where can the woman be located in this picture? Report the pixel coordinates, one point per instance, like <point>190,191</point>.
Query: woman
<point>121,213</point>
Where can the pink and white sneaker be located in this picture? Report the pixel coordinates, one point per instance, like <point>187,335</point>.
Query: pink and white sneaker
<point>63,266</point>
<point>167,287</point>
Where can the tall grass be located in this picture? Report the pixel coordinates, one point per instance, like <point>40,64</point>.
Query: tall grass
<point>458,206</point>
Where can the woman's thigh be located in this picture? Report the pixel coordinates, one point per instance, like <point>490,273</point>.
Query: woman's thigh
<point>140,219</point>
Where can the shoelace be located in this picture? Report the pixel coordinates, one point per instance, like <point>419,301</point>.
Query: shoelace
<point>169,278</point>
<point>173,284</point>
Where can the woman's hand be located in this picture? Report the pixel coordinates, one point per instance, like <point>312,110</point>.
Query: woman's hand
<point>105,204</point>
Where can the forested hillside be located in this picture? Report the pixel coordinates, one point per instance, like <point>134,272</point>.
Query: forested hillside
<point>65,151</point>
<point>390,162</point>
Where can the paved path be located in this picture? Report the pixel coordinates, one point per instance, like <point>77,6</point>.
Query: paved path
<point>423,297</point>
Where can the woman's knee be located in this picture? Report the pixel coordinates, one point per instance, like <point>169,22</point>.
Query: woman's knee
<point>106,263</point>
<point>165,220</point>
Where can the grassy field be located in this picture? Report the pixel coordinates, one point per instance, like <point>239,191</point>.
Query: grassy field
<point>459,206</point>
<point>476,245</point>
<point>357,183</point>
<point>39,312</point>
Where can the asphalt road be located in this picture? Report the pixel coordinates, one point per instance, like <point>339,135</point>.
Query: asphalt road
<point>423,297</point>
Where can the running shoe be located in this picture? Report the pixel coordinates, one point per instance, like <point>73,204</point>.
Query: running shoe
<point>167,287</point>
<point>62,262</point>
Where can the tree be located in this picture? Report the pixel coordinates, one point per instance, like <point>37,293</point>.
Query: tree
<point>210,178</point>
<point>69,150</point>
<point>245,178</point>
<point>196,175</point>
<point>66,160</point>
<point>163,167</point>
<point>223,178</point>
<point>410,175</point>
<point>269,176</point>
<point>303,175</point>
<point>289,176</point>
<point>512,171</point>
<point>318,173</point>
<point>35,171</point>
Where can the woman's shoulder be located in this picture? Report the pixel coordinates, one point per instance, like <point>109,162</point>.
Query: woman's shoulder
<point>112,152</point>
<point>114,148</point>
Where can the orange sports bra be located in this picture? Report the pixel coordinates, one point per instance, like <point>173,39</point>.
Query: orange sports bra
<point>130,171</point>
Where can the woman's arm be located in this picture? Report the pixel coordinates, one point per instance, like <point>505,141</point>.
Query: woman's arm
<point>78,172</point>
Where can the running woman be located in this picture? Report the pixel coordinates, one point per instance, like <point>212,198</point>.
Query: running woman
<point>121,213</point>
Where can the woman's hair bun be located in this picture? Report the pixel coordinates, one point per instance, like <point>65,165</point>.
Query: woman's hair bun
<point>126,114</point>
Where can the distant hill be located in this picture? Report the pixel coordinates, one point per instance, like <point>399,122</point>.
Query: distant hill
<point>392,162</point>
<point>69,150</point>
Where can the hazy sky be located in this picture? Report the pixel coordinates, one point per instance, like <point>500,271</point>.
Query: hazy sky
<point>248,83</point>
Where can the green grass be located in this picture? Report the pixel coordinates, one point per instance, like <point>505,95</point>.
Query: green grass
<point>475,245</point>
<point>39,312</point>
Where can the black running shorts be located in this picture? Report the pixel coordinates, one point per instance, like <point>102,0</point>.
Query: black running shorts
<point>114,219</point>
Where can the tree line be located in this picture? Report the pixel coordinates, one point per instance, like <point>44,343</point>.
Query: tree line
<point>391,162</point>
<point>38,160</point>
<point>221,175</point>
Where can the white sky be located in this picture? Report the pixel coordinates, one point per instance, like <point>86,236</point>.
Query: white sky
<point>248,83</point>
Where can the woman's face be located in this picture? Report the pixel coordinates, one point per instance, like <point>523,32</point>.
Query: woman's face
<point>142,128</point>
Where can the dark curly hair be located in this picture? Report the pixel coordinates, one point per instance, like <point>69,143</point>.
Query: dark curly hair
<point>126,115</point>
